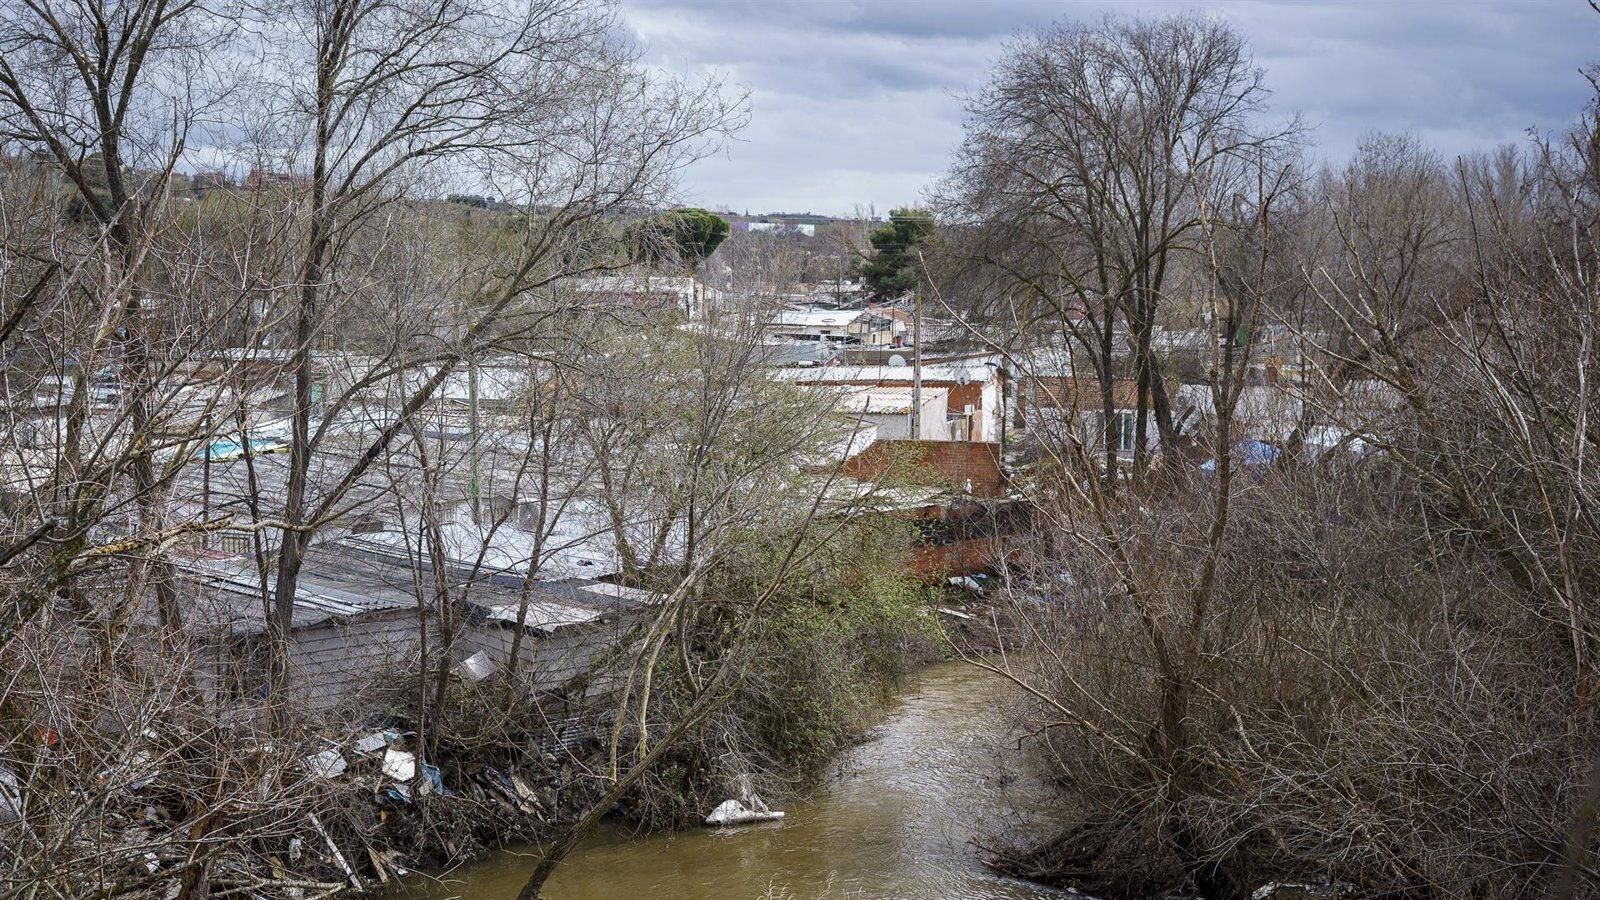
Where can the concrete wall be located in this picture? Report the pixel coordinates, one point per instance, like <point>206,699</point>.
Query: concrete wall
<point>897,425</point>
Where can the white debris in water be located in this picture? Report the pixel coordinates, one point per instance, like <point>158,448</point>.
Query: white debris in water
<point>732,812</point>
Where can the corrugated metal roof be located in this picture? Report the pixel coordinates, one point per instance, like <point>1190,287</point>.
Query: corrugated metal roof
<point>337,587</point>
<point>313,604</point>
<point>885,400</point>
<point>544,615</point>
<point>959,373</point>
<point>817,318</point>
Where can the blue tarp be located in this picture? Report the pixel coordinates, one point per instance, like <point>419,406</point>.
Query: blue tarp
<point>226,450</point>
<point>1248,453</point>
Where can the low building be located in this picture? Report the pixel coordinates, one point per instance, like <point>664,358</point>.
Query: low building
<point>853,327</point>
<point>354,624</point>
<point>1068,408</point>
<point>976,390</point>
<point>803,355</point>
<point>805,229</point>
<point>358,623</point>
<point>955,493</point>
<point>642,292</point>
<point>567,628</point>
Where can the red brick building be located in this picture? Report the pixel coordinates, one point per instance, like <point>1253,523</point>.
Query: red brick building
<point>962,525</point>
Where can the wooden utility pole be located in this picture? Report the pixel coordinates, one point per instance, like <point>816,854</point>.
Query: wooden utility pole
<point>205,484</point>
<point>473,487</point>
<point>916,366</point>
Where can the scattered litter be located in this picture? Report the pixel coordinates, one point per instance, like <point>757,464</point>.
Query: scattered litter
<point>327,764</point>
<point>399,765</point>
<point>10,796</point>
<point>478,666</point>
<point>524,792</point>
<point>509,791</point>
<point>1292,891</point>
<point>141,770</point>
<point>432,780</point>
<point>955,613</point>
<point>375,741</point>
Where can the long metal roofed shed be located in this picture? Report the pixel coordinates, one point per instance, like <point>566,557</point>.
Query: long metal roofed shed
<point>313,604</point>
<point>352,624</point>
<point>355,624</point>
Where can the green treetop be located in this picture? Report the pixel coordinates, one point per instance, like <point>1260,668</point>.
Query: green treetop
<point>688,235</point>
<point>894,268</point>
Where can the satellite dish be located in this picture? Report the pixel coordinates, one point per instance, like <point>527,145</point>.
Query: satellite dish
<point>897,360</point>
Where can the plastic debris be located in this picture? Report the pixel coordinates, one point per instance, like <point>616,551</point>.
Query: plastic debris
<point>375,741</point>
<point>141,770</point>
<point>502,784</point>
<point>10,796</point>
<point>432,780</point>
<point>399,765</point>
<point>477,667</point>
<point>327,764</point>
<point>732,812</point>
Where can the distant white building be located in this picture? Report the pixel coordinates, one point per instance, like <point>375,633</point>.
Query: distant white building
<point>645,292</point>
<point>976,389</point>
<point>837,326</point>
<point>777,228</point>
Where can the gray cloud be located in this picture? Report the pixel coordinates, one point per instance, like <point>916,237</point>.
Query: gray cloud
<point>858,101</point>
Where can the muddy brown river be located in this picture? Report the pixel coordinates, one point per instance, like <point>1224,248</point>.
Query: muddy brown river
<point>898,820</point>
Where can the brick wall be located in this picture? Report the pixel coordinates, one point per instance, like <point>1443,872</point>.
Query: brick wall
<point>941,561</point>
<point>943,463</point>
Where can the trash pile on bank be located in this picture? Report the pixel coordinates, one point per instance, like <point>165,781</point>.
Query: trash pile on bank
<point>299,822</point>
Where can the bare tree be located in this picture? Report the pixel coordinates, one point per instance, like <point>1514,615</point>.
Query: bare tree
<point>541,102</point>
<point>104,97</point>
<point>1075,195</point>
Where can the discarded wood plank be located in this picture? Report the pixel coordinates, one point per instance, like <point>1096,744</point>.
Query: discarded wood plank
<point>338,855</point>
<point>377,865</point>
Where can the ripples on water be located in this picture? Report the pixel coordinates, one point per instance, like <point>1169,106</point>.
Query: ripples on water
<point>897,822</point>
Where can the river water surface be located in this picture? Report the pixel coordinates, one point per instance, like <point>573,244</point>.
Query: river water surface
<point>897,821</point>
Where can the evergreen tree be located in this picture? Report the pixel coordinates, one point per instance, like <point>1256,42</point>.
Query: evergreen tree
<point>894,269</point>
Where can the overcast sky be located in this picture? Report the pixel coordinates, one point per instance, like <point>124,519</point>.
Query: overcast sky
<point>858,101</point>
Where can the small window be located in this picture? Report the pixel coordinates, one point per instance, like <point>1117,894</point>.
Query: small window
<point>234,541</point>
<point>1126,431</point>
